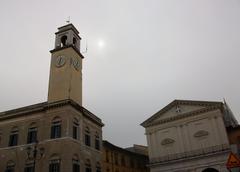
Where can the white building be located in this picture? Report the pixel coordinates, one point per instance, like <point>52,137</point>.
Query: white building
<point>189,136</point>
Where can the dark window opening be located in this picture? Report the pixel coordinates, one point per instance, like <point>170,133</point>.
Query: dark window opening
<point>87,140</point>
<point>74,41</point>
<point>116,158</point>
<point>56,130</point>
<point>13,139</point>
<point>97,143</point>
<point>87,137</point>
<point>29,168</point>
<point>75,130</point>
<point>131,163</point>
<point>54,166</point>
<point>107,156</point>
<point>76,166</point>
<point>32,135</point>
<point>88,169</point>
<point>98,169</point>
<point>10,169</point>
<point>64,41</point>
<point>123,162</point>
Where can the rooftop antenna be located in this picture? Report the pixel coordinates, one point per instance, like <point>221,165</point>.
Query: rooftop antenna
<point>68,20</point>
<point>86,48</point>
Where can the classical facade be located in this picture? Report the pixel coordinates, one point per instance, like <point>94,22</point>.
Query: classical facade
<point>60,134</point>
<point>189,136</point>
<point>116,159</point>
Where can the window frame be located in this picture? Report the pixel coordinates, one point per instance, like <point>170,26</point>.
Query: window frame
<point>87,137</point>
<point>32,138</point>
<point>56,128</point>
<point>13,137</point>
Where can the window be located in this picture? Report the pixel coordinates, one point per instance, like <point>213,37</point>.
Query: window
<point>76,167</point>
<point>10,166</point>
<point>54,165</point>
<point>63,41</point>
<point>116,158</point>
<point>0,139</point>
<point>13,139</point>
<point>98,167</point>
<point>32,135</point>
<point>107,156</point>
<point>29,168</point>
<point>88,166</point>
<point>74,41</point>
<point>87,137</point>
<point>97,142</point>
<point>123,162</point>
<point>56,128</point>
<point>131,163</point>
<point>75,129</point>
<point>75,164</point>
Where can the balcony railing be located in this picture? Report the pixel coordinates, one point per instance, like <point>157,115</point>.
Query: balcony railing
<point>189,154</point>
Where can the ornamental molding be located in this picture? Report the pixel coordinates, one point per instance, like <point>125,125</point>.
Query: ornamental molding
<point>182,116</point>
<point>205,104</point>
<point>201,133</point>
<point>167,141</point>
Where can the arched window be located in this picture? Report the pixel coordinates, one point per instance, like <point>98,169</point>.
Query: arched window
<point>13,138</point>
<point>98,167</point>
<point>74,40</point>
<point>87,137</point>
<point>97,141</point>
<point>10,166</point>
<point>54,163</point>
<point>75,164</point>
<point>75,129</point>
<point>88,167</point>
<point>56,128</point>
<point>63,41</point>
<point>32,133</point>
<point>29,167</point>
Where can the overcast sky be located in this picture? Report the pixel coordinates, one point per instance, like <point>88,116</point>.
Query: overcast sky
<point>142,54</point>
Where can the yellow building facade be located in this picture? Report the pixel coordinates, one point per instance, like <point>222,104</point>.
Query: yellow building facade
<point>116,159</point>
<point>58,135</point>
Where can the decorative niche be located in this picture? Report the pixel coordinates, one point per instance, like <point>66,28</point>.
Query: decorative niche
<point>201,133</point>
<point>167,141</point>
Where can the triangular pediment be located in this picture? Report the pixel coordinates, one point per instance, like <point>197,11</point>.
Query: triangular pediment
<point>178,108</point>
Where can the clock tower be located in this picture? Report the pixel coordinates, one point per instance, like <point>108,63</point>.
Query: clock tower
<point>65,81</point>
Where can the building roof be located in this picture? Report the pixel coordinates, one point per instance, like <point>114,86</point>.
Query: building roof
<point>109,145</point>
<point>228,116</point>
<point>141,149</point>
<point>27,110</point>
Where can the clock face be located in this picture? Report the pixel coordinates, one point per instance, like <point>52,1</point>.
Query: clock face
<point>60,61</point>
<point>76,64</point>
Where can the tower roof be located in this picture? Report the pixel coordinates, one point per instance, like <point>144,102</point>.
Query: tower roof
<point>67,27</point>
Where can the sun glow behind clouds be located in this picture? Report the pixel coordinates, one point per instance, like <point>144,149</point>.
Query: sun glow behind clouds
<point>101,43</point>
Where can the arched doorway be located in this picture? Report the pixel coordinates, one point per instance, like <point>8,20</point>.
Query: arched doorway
<point>210,170</point>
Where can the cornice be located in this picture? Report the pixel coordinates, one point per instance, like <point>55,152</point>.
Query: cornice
<point>45,106</point>
<point>182,116</point>
<point>65,47</point>
<point>179,102</point>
